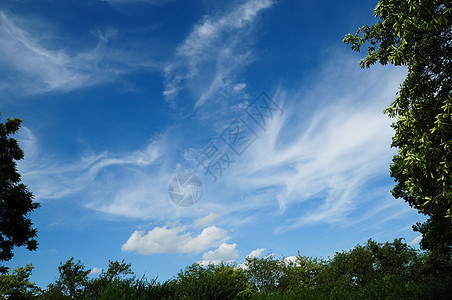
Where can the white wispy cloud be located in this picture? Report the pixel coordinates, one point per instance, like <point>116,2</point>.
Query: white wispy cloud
<point>174,240</point>
<point>344,146</point>
<point>100,177</point>
<point>331,145</point>
<point>36,65</point>
<point>206,220</point>
<point>130,184</point>
<point>137,158</point>
<point>320,159</point>
<point>416,240</point>
<point>214,50</point>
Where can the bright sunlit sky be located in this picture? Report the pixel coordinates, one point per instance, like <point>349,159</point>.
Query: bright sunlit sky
<point>118,96</point>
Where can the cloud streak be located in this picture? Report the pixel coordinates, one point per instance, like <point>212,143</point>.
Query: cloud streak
<point>50,179</point>
<point>213,52</point>
<point>416,240</point>
<point>37,67</point>
<point>321,159</point>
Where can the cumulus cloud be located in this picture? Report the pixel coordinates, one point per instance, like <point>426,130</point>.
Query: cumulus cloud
<point>224,253</point>
<point>95,271</point>
<point>174,240</point>
<point>290,260</point>
<point>256,253</point>
<point>213,51</point>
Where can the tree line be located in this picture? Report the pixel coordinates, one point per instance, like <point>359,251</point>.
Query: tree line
<point>391,270</point>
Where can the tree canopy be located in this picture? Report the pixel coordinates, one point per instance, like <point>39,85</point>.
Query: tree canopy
<point>418,34</point>
<point>17,285</point>
<point>391,270</point>
<point>16,201</point>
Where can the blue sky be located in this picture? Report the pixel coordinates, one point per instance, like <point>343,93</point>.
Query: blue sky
<point>119,96</point>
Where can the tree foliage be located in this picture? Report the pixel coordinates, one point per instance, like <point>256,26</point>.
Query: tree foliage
<point>72,280</point>
<point>16,201</point>
<point>391,270</point>
<point>418,34</point>
<point>117,282</point>
<point>265,273</point>
<point>213,282</point>
<point>17,285</point>
<point>109,280</point>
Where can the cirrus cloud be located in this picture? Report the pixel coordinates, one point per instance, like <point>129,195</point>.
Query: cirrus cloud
<point>213,52</point>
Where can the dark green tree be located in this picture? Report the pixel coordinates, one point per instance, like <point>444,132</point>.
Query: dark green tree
<point>116,270</point>
<point>16,201</point>
<point>117,282</point>
<point>265,273</point>
<point>213,282</point>
<point>303,272</point>
<point>417,34</point>
<point>374,271</point>
<point>72,281</point>
<point>395,258</point>
<point>110,280</point>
